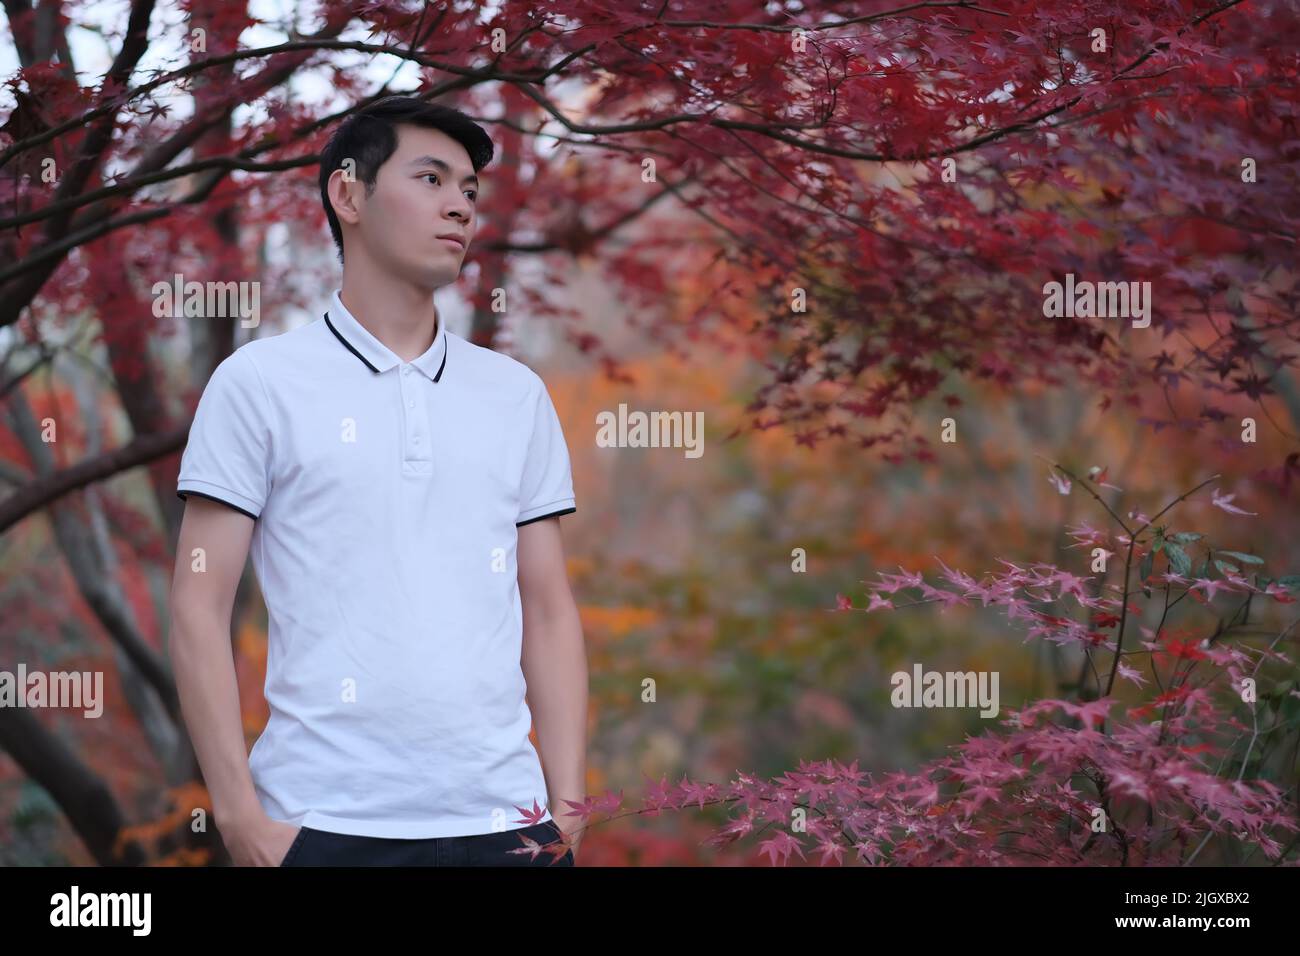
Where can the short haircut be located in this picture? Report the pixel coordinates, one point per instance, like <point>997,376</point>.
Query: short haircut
<point>369,137</point>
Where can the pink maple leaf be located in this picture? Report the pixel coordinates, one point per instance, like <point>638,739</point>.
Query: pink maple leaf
<point>532,816</point>
<point>1130,674</point>
<point>1282,593</point>
<point>1061,483</point>
<point>1211,587</point>
<point>781,845</point>
<point>877,602</point>
<point>1225,502</point>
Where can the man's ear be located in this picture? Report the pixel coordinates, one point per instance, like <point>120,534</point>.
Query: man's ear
<point>345,194</point>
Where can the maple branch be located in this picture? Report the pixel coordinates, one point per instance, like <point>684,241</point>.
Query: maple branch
<point>1181,497</point>
<point>47,353</point>
<point>1254,736</point>
<point>600,232</point>
<point>1128,563</point>
<point>320,42</point>
<point>238,161</point>
<point>864,224</point>
<point>56,250</point>
<point>831,25</point>
<point>772,131</point>
<point>1120,836</point>
<point>1164,45</point>
<point>1082,484</point>
<point>100,134</point>
<point>139,451</point>
<point>84,797</point>
<point>134,183</point>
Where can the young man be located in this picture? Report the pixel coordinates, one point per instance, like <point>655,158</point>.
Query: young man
<point>401,490</point>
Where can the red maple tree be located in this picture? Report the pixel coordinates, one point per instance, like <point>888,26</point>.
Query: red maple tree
<point>899,183</point>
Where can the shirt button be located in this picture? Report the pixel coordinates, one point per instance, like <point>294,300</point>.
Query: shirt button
<point>406,370</point>
<point>417,441</point>
<point>410,404</point>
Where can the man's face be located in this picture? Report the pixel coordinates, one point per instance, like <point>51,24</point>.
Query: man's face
<point>427,189</point>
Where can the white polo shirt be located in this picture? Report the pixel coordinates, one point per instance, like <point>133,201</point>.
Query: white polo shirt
<point>387,497</point>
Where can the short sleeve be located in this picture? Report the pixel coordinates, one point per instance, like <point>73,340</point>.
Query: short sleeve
<point>228,454</point>
<point>547,486</point>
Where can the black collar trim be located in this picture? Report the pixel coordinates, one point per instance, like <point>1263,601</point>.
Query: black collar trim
<point>348,345</point>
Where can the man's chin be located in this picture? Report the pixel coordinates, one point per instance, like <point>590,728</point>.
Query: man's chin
<point>433,277</point>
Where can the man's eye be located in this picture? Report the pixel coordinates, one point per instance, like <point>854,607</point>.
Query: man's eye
<point>473,194</point>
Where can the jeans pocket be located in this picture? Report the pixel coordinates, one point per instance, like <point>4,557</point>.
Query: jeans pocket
<point>294,847</point>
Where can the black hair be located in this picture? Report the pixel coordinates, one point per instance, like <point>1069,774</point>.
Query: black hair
<point>369,137</point>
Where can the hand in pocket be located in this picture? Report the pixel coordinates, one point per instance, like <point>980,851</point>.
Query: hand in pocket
<point>295,841</point>
<point>260,841</point>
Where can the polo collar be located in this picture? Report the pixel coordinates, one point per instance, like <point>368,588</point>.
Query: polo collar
<point>373,353</point>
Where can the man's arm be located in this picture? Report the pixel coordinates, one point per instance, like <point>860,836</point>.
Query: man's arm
<point>210,555</point>
<point>555,667</point>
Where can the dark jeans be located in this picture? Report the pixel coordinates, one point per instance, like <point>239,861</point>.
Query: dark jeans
<point>323,848</point>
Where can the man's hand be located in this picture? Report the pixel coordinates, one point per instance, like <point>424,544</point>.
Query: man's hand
<point>259,840</point>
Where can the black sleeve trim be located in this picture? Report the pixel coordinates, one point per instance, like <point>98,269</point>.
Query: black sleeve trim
<point>182,494</point>
<point>553,514</point>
